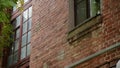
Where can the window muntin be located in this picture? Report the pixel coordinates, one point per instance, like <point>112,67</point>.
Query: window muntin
<point>85,9</point>
<point>19,49</point>
<point>26,33</point>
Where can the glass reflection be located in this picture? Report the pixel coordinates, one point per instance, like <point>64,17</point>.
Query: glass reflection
<point>28,49</point>
<point>24,39</point>
<point>30,12</point>
<point>23,52</point>
<point>25,15</point>
<point>24,27</point>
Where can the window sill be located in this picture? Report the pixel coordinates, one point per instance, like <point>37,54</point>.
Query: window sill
<point>84,28</point>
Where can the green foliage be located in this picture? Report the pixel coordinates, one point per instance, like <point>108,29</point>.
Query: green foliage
<point>5,38</point>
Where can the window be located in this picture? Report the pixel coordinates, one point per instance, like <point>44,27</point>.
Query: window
<point>26,33</point>
<point>19,4</point>
<point>83,16</point>
<point>85,9</point>
<point>20,49</point>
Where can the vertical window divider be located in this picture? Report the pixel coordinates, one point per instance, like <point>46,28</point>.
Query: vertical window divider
<point>27,31</point>
<point>19,49</point>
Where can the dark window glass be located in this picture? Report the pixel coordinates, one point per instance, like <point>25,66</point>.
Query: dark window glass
<point>85,9</point>
<point>15,57</point>
<point>10,59</point>
<point>17,33</point>
<point>81,11</point>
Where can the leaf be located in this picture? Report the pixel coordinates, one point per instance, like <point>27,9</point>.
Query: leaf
<point>5,36</point>
<point>3,17</point>
<point>7,3</point>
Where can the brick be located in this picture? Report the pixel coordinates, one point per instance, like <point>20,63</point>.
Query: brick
<point>49,36</point>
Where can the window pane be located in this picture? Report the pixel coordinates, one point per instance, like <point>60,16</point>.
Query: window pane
<point>81,11</point>
<point>14,8</point>
<point>17,21</point>
<point>30,12</point>
<point>16,44</point>
<point>95,7</point>
<point>25,1</point>
<point>28,49</point>
<point>24,27</point>
<point>30,23</point>
<point>10,60</point>
<point>15,57</point>
<point>118,64</point>
<point>23,52</point>
<point>14,24</point>
<point>12,48</point>
<point>29,36</point>
<point>17,33</point>
<point>24,39</point>
<point>25,15</point>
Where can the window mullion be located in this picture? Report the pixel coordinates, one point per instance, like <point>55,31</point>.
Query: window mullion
<point>19,49</point>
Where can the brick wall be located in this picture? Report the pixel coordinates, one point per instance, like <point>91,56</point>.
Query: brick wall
<point>49,43</point>
<point>111,24</point>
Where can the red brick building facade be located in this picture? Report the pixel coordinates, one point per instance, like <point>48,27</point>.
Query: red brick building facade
<point>57,42</point>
